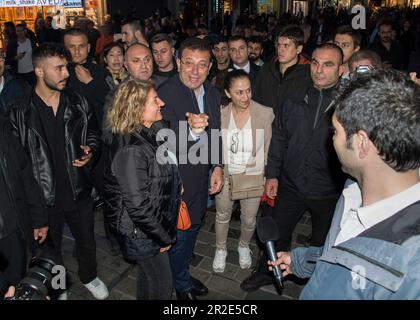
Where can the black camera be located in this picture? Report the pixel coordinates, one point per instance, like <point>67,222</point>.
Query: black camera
<point>37,281</point>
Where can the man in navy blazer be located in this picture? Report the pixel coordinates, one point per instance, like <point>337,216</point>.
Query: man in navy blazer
<point>239,57</point>
<point>192,103</point>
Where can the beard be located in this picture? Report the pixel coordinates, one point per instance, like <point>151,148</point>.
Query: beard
<point>253,57</point>
<point>54,86</point>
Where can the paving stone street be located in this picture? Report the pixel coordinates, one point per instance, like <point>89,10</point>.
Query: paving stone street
<point>120,276</point>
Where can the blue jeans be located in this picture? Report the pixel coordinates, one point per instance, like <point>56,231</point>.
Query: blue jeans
<point>180,257</point>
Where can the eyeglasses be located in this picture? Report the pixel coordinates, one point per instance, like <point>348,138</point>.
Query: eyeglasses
<point>202,66</point>
<point>235,143</point>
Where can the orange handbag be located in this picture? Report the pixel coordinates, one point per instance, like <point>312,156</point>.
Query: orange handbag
<point>184,221</point>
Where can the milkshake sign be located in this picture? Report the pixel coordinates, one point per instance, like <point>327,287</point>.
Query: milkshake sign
<point>42,3</point>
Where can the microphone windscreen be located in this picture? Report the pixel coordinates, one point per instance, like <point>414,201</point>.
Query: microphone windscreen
<point>267,229</point>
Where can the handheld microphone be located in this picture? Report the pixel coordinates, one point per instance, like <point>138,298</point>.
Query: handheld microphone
<point>267,233</point>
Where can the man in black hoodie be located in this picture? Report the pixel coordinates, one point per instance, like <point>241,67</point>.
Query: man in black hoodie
<point>283,77</point>
<point>303,172</point>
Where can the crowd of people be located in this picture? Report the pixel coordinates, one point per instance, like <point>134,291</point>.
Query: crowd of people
<point>307,114</point>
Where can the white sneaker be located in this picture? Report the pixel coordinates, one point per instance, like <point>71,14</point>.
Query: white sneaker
<point>219,262</point>
<point>245,259</point>
<point>97,288</point>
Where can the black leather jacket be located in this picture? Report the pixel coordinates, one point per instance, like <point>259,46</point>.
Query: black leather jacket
<point>24,195</point>
<point>79,129</point>
<point>141,195</point>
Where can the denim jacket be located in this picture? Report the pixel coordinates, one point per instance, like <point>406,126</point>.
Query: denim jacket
<point>381,263</point>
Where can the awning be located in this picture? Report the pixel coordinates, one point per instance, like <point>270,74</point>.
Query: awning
<point>41,3</point>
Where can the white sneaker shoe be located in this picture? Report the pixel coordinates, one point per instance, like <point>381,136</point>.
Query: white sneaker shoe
<point>245,259</point>
<point>219,262</point>
<point>97,288</point>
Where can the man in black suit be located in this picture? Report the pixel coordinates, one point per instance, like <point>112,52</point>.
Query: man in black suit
<point>239,57</point>
<point>190,98</point>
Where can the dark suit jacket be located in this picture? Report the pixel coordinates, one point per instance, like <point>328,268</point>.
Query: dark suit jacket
<point>179,99</point>
<point>253,72</point>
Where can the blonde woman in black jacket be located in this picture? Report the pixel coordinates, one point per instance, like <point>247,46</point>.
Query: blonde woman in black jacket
<point>142,194</point>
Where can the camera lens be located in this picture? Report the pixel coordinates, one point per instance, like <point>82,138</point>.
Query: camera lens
<point>37,281</point>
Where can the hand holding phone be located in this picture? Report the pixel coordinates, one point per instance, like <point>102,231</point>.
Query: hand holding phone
<point>85,158</point>
<point>20,55</point>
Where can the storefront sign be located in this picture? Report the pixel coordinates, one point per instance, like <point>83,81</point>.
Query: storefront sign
<point>73,3</point>
<point>41,3</point>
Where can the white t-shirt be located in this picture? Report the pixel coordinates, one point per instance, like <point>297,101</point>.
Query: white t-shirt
<point>239,144</point>
<point>25,64</point>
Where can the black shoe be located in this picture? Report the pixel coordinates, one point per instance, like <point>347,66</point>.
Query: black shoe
<point>187,295</point>
<point>198,288</point>
<point>256,281</point>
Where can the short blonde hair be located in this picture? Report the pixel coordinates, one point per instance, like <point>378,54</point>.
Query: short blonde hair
<point>125,114</point>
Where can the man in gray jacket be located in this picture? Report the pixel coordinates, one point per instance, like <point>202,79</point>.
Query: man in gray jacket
<point>373,247</point>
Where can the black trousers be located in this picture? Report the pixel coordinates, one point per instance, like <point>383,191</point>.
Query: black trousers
<point>154,280</point>
<point>98,171</point>
<point>81,223</point>
<point>12,258</point>
<point>98,182</point>
<point>289,209</point>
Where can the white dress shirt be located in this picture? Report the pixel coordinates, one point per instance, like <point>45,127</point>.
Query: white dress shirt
<point>246,68</point>
<point>357,219</point>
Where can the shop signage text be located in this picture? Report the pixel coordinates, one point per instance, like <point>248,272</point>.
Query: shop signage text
<point>41,3</point>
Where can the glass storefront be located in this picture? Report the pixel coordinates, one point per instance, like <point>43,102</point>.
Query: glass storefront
<point>300,8</point>
<point>22,10</point>
<point>265,6</point>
